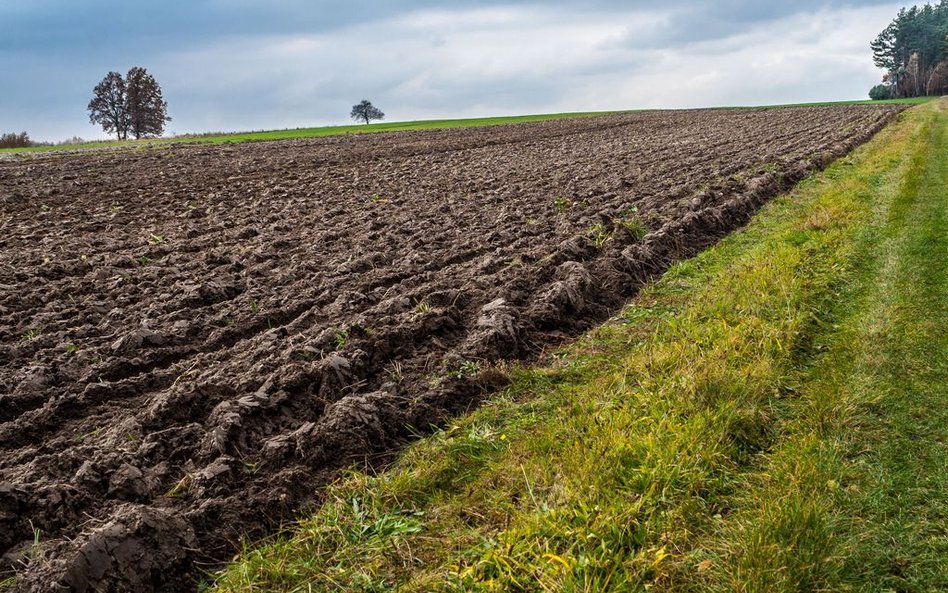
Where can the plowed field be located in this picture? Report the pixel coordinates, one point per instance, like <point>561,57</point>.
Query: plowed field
<point>194,339</point>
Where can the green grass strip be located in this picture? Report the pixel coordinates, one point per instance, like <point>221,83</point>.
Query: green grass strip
<point>690,444</point>
<point>317,132</point>
<point>855,497</point>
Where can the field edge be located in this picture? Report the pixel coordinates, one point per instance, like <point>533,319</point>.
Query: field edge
<point>415,125</point>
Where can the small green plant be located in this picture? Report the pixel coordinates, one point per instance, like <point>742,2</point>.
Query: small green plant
<point>115,209</point>
<point>254,306</point>
<point>304,355</point>
<point>342,336</point>
<point>629,219</point>
<point>35,548</point>
<point>44,209</point>
<point>378,199</point>
<point>544,261</point>
<point>599,235</point>
<point>92,434</point>
<point>144,260</point>
<point>29,334</point>
<point>561,205</point>
<point>422,307</point>
<point>468,368</point>
<point>72,349</point>
<point>181,487</point>
<point>156,239</point>
<point>396,372</point>
<point>632,224</point>
<point>366,525</point>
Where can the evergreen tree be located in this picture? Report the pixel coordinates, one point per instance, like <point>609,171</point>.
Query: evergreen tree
<point>912,49</point>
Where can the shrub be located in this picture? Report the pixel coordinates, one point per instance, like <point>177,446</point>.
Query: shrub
<point>880,92</point>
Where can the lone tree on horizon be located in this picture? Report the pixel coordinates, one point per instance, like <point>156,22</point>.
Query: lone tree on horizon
<point>366,111</point>
<point>108,107</point>
<point>131,105</point>
<point>147,110</point>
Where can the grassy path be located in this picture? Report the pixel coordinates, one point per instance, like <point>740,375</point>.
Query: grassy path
<point>900,372</point>
<point>769,416</point>
<point>855,495</point>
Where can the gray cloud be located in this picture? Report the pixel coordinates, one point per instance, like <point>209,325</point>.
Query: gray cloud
<point>245,64</point>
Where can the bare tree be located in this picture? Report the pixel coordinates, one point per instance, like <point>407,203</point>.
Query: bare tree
<point>914,76</point>
<point>147,110</point>
<point>938,81</point>
<point>129,105</point>
<point>108,106</point>
<point>366,111</point>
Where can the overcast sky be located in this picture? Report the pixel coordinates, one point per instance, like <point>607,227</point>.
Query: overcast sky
<point>262,64</point>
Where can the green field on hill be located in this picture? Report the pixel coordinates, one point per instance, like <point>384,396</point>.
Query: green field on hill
<point>319,132</point>
<point>768,416</point>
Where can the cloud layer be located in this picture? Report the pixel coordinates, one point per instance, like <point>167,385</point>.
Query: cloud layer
<point>243,64</point>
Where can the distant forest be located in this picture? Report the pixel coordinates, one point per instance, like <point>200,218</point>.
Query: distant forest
<point>913,50</point>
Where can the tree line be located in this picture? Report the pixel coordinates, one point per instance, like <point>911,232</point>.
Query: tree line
<point>14,140</point>
<point>913,51</point>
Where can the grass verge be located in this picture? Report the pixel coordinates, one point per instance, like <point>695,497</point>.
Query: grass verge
<point>854,496</point>
<point>769,416</point>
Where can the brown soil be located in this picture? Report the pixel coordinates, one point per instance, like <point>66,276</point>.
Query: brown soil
<point>194,339</point>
